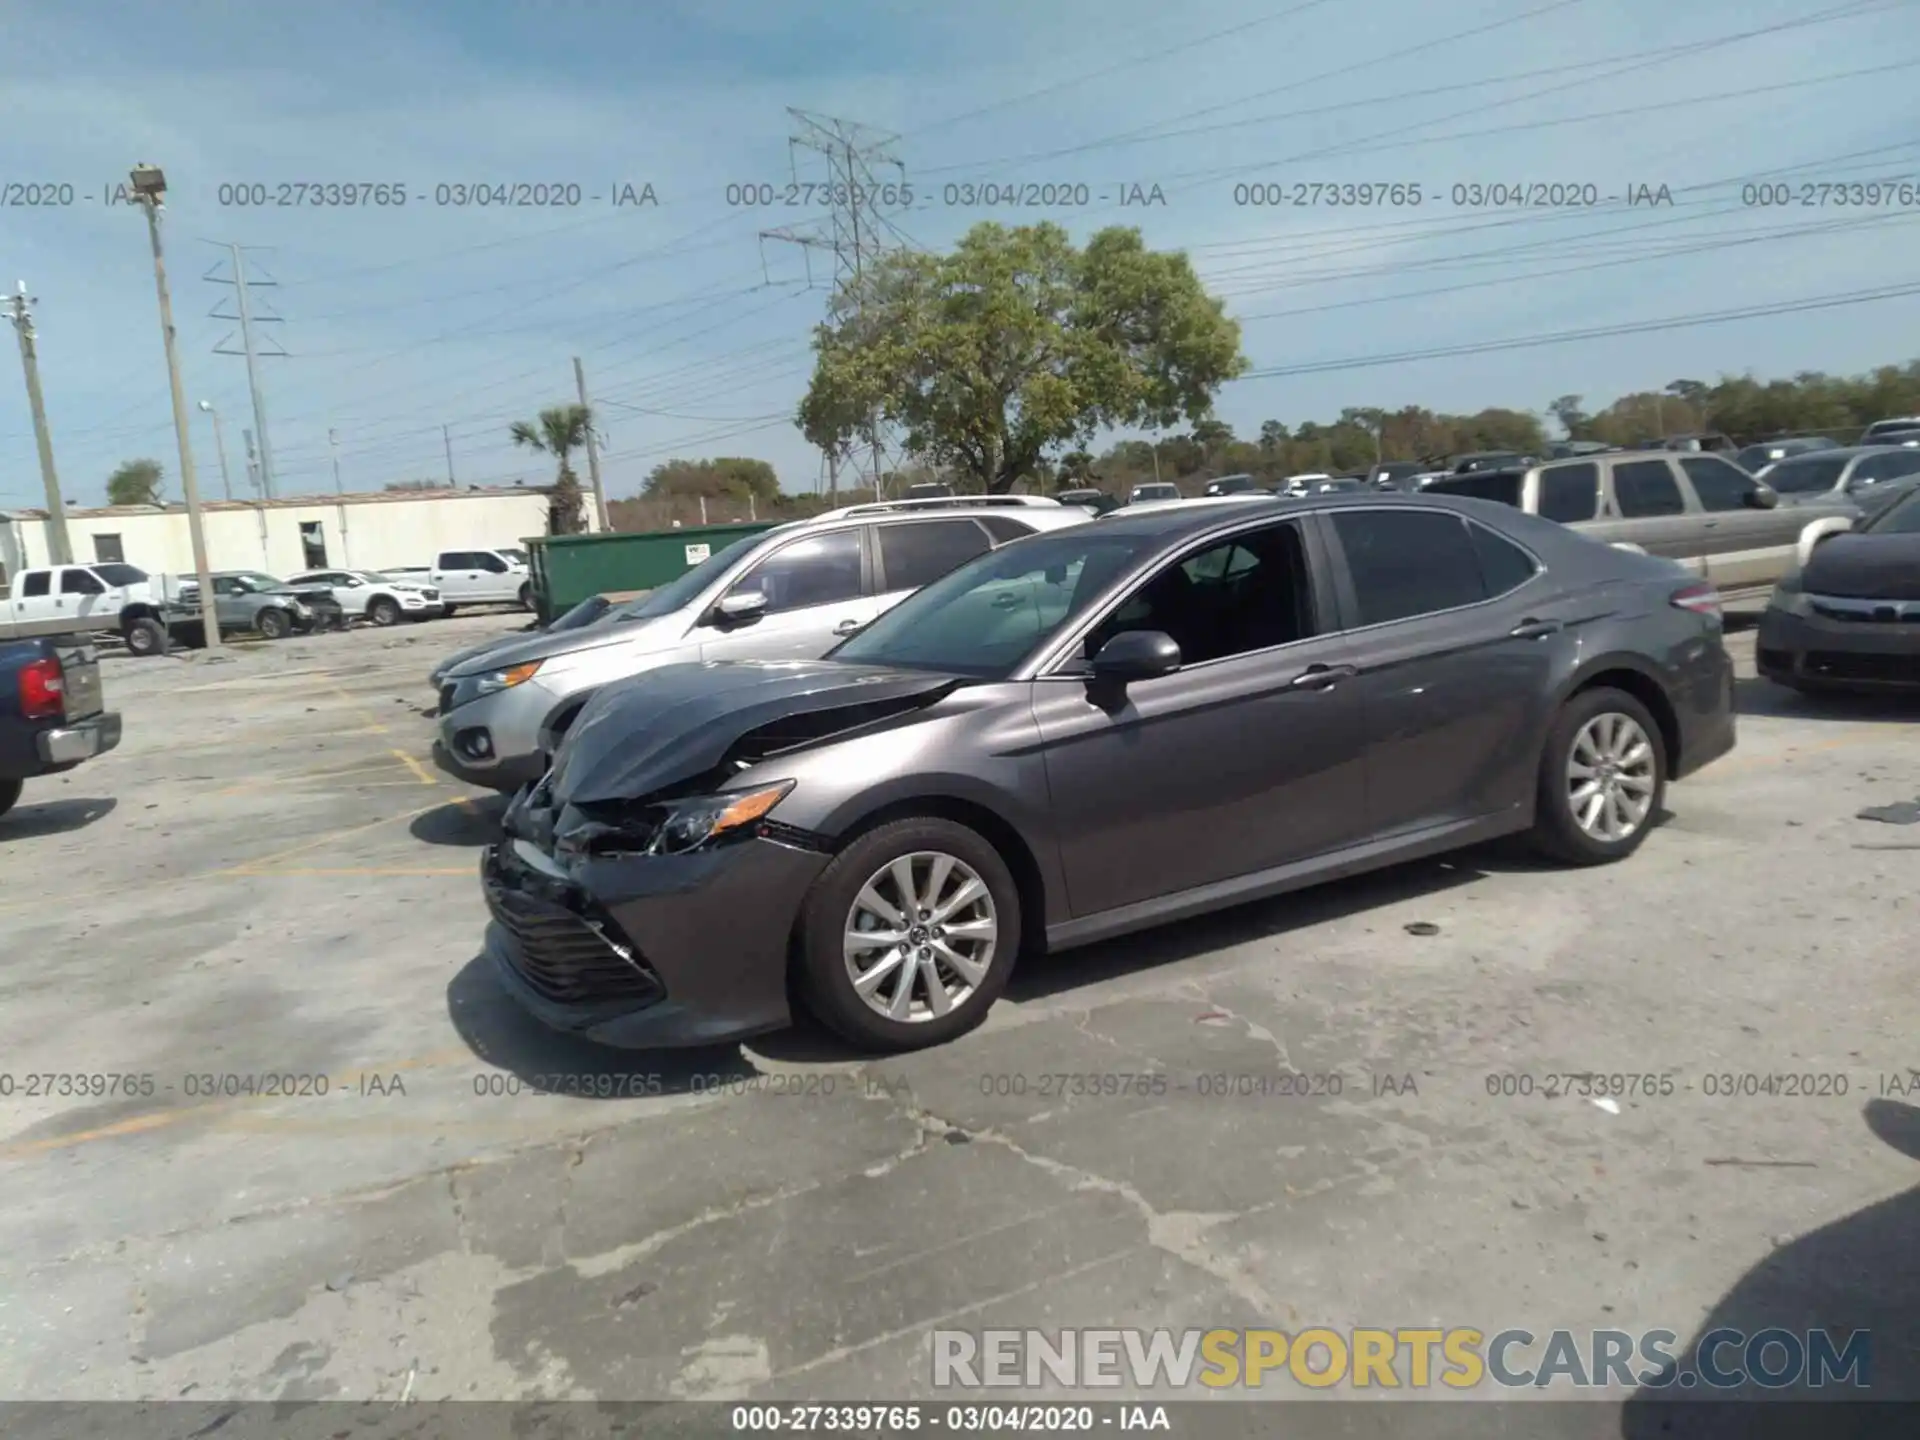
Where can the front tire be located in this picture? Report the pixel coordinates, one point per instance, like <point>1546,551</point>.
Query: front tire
<point>384,610</point>
<point>9,794</point>
<point>144,637</point>
<point>447,611</point>
<point>273,624</point>
<point>909,935</point>
<point>1603,776</point>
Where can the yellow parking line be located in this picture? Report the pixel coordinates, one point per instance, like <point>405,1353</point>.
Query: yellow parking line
<point>160,1119</point>
<point>425,776</point>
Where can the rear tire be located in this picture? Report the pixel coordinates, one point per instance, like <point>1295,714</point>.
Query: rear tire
<point>384,611</point>
<point>273,624</point>
<point>1604,762</point>
<point>9,793</point>
<point>854,894</point>
<point>144,637</point>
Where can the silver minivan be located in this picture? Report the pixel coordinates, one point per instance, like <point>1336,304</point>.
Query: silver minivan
<point>1696,508</point>
<point>790,593</point>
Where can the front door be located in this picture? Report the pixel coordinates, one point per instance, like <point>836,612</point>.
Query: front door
<point>816,593</point>
<point>1646,507</point>
<point>1745,543</point>
<point>82,596</point>
<point>1455,643</point>
<point>1246,758</point>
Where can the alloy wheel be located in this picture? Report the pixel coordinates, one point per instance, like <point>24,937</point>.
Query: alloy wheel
<point>920,937</point>
<point>1611,777</point>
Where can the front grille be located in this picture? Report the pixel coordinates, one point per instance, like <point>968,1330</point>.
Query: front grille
<point>1773,659</point>
<point>563,956</point>
<point>1869,612</point>
<point>1846,665</point>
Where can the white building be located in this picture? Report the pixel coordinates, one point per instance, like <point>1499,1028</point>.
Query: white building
<point>286,536</point>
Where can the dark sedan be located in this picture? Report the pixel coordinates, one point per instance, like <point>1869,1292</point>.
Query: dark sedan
<point>1089,732</point>
<point>1849,619</point>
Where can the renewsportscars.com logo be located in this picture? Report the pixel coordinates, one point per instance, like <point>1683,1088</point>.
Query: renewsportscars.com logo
<point>1461,1358</point>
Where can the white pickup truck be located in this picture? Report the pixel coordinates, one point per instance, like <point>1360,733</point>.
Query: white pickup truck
<point>86,599</point>
<point>474,577</point>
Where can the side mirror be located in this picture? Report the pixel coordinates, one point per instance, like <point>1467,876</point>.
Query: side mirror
<point>1136,655</point>
<point>741,606</point>
<point>1818,531</point>
<point>1762,498</point>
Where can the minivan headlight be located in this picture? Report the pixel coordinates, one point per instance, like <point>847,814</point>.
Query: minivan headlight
<point>695,822</point>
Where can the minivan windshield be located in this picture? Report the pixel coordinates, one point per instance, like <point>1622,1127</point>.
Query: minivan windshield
<point>1807,475</point>
<point>985,618</point>
<point>676,594</point>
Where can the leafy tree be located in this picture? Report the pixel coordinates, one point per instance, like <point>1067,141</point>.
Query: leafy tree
<point>1566,409</point>
<point>136,482</point>
<point>1272,436</point>
<point>559,431</point>
<point>1017,345</point>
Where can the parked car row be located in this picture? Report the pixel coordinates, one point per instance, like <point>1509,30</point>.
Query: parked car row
<point>872,759</point>
<point>150,612</point>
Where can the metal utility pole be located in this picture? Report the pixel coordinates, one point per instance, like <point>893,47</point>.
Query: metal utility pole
<point>150,186</point>
<point>593,450</point>
<point>333,445</point>
<point>60,549</point>
<point>219,444</point>
<point>249,347</point>
<point>855,227</point>
<point>446,439</point>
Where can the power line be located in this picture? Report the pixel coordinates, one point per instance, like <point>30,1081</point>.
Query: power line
<point>1598,332</point>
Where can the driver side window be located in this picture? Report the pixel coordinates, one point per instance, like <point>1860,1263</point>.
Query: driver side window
<point>819,570</point>
<point>492,564</point>
<point>1246,594</point>
<point>227,585</point>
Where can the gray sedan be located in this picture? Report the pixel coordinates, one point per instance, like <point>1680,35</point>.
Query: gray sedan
<point>1088,732</point>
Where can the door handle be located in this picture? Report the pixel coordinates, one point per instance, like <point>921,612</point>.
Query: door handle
<point>1321,677</point>
<point>846,627</point>
<point>1535,629</point>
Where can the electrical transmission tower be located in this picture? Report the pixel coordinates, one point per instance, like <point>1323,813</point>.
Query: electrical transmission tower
<point>250,345</point>
<point>856,230</point>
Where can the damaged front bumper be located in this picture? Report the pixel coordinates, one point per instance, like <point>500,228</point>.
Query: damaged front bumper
<point>644,951</point>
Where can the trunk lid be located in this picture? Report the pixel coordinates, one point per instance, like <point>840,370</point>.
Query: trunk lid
<point>80,670</point>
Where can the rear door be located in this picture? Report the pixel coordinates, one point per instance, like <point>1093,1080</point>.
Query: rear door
<point>1456,636</point>
<point>1645,505</point>
<point>911,553</point>
<point>32,604</point>
<point>1744,543</point>
<point>818,591</point>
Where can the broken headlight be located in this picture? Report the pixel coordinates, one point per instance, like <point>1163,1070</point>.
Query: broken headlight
<point>701,819</point>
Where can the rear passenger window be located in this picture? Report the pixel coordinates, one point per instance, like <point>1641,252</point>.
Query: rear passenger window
<point>918,552</point>
<point>1504,565</point>
<point>1406,563</point>
<point>1569,493</point>
<point>1643,488</point>
<point>35,583</point>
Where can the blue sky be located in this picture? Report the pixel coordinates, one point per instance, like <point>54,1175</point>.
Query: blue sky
<point>694,331</point>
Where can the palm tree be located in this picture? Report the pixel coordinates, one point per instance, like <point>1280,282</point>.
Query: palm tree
<point>560,430</point>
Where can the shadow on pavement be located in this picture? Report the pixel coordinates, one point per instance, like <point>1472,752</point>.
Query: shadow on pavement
<point>545,1061</point>
<point>53,817</point>
<point>1860,1273</point>
<point>1755,696</point>
<point>468,823</point>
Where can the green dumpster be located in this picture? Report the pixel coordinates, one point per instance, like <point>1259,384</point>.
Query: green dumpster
<point>570,568</point>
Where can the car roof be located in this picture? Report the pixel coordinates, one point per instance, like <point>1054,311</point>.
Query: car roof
<point>1844,452</point>
<point>1176,520</point>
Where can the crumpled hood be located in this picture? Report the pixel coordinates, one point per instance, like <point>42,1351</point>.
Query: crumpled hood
<point>1865,567</point>
<point>518,649</point>
<point>673,724</point>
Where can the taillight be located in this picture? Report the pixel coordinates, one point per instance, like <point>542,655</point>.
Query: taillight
<point>43,691</point>
<point>1701,599</point>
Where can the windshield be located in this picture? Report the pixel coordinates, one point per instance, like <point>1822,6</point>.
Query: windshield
<point>258,580</point>
<point>678,593</point>
<point>1900,517</point>
<point>593,608</point>
<point>116,574</point>
<point>983,619</point>
<point>519,557</point>
<point>1806,476</point>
